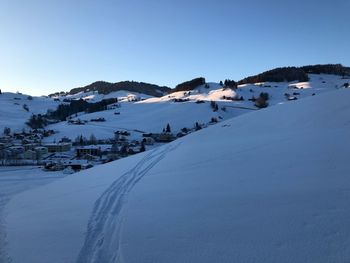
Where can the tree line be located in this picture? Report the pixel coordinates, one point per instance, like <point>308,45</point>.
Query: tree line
<point>63,111</point>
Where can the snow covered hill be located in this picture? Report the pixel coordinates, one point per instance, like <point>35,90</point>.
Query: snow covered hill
<point>269,186</point>
<point>151,114</point>
<point>94,96</point>
<point>181,109</point>
<point>14,113</point>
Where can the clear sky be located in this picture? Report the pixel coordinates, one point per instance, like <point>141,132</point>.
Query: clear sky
<point>55,45</point>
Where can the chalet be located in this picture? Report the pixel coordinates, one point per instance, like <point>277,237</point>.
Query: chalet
<point>77,165</point>
<point>98,120</point>
<point>132,98</point>
<point>17,148</point>
<point>113,106</point>
<point>180,100</point>
<point>14,152</point>
<point>88,150</point>
<point>134,143</point>
<point>90,157</point>
<point>30,146</point>
<point>28,141</point>
<point>124,133</point>
<point>41,152</point>
<point>65,139</point>
<point>57,157</point>
<point>165,137</point>
<point>148,140</point>
<point>111,156</point>
<point>53,166</point>
<point>120,136</point>
<point>77,122</point>
<point>35,137</point>
<point>58,147</point>
<point>180,134</point>
<point>6,139</point>
<point>19,136</point>
<point>30,155</point>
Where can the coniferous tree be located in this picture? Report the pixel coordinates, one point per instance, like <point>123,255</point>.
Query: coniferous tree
<point>142,148</point>
<point>93,139</point>
<point>7,131</point>
<point>197,126</point>
<point>168,128</point>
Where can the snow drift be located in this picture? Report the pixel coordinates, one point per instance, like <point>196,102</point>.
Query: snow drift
<point>268,186</point>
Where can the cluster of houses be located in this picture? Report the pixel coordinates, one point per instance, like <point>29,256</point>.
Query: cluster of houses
<point>83,122</point>
<point>22,145</point>
<point>77,122</point>
<point>28,148</point>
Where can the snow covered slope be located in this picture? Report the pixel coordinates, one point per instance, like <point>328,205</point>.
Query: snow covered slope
<point>14,180</point>
<point>12,112</point>
<point>269,186</point>
<point>153,114</point>
<point>94,96</point>
<point>138,118</point>
<point>317,84</point>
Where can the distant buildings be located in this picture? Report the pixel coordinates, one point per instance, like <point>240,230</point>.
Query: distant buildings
<point>93,150</point>
<point>58,147</point>
<point>158,137</point>
<point>26,148</point>
<point>36,153</point>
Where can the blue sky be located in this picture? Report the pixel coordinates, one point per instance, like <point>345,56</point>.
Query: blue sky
<point>49,45</point>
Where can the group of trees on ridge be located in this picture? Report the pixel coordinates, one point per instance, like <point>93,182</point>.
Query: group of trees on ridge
<point>335,69</point>
<point>104,87</point>
<point>296,73</point>
<point>277,75</point>
<point>189,85</point>
<point>67,109</point>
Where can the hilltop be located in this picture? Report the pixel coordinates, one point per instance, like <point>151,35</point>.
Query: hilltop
<point>104,87</point>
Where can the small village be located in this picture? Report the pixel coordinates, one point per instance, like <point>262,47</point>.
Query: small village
<point>27,148</point>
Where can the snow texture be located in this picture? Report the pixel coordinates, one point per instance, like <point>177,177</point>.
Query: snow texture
<point>14,180</point>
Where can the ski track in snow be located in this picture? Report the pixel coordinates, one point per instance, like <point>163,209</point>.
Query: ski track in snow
<point>103,233</point>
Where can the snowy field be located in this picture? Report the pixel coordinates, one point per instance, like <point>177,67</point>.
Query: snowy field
<point>269,186</point>
<point>14,180</point>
